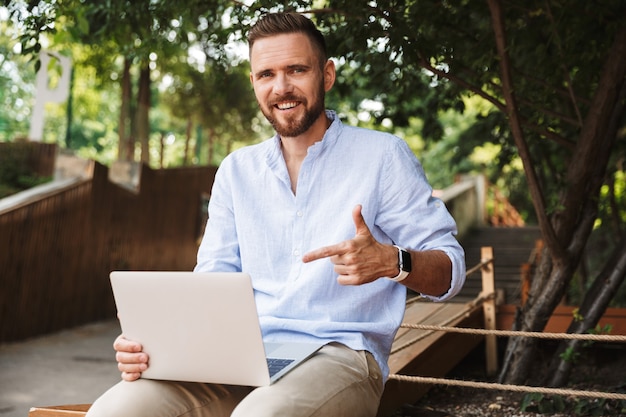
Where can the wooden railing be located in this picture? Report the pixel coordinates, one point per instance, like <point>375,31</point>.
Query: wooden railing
<point>465,200</point>
<point>60,241</point>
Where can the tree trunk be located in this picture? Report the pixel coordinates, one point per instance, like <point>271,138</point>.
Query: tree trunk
<point>126,147</point>
<point>211,146</point>
<point>187,141</point>
<point>546,291</point>
<point>197,147</point>
<point>605,285</point>
<point>161,149</point>
<point>143,108</point>
<point>593,306</point>
<point>570,226</point>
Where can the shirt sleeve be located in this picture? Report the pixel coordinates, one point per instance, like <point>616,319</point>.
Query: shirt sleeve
<point>413,218</point>
<point>219,249</point>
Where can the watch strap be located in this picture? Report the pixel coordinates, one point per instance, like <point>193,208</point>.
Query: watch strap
<point>404,264</point>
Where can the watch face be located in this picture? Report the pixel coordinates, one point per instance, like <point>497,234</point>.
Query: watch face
<point>406,260</point>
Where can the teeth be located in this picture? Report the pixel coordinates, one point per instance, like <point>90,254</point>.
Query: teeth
<point>288,105</point>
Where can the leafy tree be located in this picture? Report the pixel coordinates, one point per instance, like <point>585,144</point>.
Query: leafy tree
<point>226,115</point>
<point>554,72</point>
<point>15,88</point>
<point>146,35</point>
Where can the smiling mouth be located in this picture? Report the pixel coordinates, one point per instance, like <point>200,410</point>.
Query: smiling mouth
<point>287,105</point>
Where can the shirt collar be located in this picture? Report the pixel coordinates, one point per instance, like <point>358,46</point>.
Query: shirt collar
<point>329,138</point>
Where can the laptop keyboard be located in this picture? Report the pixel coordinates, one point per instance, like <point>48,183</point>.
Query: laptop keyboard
<point>275,365</point>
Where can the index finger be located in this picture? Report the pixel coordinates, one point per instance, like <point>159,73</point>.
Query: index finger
<point>325,252</point>
<point>122,344</point>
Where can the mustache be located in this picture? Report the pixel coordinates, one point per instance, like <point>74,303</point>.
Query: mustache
<point>287,97</point>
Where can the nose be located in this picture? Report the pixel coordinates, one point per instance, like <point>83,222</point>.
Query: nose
<point>282,84</point>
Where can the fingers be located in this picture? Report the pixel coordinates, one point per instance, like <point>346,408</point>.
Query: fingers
<point>131,365</point>
<point>131,360</point>
<point>121,344</point>
<point>359,260</point>
<point>325,252</point>
<point>342,248</point>
<point>359,221</point>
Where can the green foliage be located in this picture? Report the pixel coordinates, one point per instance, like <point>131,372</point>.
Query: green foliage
<point>418,59</point>
<point>606,329</point>
<point>552,404</point>
<point>586,407</point>
<point>570,355</point>
<point>16,78</point>
<point>543,404</point>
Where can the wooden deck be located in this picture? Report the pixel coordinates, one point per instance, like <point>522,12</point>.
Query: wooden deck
<point>426,352</point>
<point>414,352</point>
<point>418,352</point>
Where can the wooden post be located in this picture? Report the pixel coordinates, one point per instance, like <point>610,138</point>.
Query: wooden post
<point>489,310</point>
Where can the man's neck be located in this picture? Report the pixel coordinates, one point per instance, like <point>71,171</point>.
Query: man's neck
<point>295,148</point>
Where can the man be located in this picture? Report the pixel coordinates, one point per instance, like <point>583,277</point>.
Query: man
<point>313,215</point>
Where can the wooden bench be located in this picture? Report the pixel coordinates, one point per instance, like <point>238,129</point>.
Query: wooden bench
<point>432,353</point>
<point>74,410</point>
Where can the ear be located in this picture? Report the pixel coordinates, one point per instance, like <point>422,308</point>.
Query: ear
<point>329,75</point>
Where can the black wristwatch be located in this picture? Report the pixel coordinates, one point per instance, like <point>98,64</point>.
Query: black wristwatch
<point>404,264</point>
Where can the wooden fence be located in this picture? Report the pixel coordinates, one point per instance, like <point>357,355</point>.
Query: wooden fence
<point>37,157</point>
<point>56,253</point>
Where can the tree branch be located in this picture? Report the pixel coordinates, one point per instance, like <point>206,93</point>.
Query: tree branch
<point>547,134</point>
<point>566,73</point>
<point>593,306</point>
<point>557,115</point>
<point>515,123</point>
<point>588,165</point>
<point>559,91</point>
<point>459,81</point>
<point>498,104</point>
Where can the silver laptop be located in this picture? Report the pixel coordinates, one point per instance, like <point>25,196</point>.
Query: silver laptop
<point>201,327</point>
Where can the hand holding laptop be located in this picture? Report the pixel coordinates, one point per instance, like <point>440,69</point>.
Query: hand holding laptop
<point>131,360</point>
<point>197,327</point>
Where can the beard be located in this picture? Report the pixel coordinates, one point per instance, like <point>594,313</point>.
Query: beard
<point>295,126</point>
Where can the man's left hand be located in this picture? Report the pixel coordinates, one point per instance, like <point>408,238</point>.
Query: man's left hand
<point>359,260</point>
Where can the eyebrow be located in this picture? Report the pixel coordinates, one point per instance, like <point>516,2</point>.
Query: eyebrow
<point>289,67</point>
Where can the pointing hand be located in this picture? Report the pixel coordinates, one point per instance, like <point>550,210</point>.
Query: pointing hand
<point>361,259</point>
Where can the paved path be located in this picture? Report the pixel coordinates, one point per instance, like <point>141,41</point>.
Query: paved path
<point>70,367</point>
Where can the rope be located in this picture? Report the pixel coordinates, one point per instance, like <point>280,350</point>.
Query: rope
<point>470,306</point>
<point>495,386</point>
<point>478,266</point>
<point>508,387</point>
<point>538,335</point>
<point>503,387</point>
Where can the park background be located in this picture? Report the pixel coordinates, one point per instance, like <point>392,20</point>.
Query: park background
<point>528,94</point>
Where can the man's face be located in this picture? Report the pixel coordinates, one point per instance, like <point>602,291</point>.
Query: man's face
<point>288,82</point>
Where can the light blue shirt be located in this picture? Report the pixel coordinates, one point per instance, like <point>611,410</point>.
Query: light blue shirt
<point>257,225</point>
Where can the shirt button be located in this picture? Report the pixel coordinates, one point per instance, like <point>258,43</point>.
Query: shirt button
<point>296,252</point>
<point>299,213</point>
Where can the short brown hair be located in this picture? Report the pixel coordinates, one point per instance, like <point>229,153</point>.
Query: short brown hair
<point>273,24</point>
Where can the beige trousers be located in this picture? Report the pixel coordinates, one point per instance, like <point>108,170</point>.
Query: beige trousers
<point>336,382</point>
